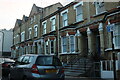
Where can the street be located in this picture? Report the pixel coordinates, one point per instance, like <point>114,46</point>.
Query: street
<point>69,78</point>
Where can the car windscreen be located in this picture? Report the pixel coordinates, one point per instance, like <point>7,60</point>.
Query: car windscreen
<point>44,60</point>
<point>48,61</point>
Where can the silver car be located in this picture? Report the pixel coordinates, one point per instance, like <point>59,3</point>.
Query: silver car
<point>37,67</point>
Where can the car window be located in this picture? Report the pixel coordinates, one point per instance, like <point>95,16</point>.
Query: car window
<point>56,62</point>
<point>30,59</point>
<point>26,59</point>
<point>44,60</point>
<point>20,59</point>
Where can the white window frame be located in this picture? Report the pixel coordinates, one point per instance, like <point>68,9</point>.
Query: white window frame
<point>44,24</point>
<point>64,20</point>
<point>53,25</point>
<point>80,4</point>
<point>22,36</point>
<point>63,44</point>
<point>35,30</point>
<point>29,33</point>
<point>71,44</point>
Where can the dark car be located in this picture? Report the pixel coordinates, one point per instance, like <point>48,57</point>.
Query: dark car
<point>37,67</point>
<point>6,63</point>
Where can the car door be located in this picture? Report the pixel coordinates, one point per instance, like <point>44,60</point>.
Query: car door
<point>14,73</point>
<point>22,68</point>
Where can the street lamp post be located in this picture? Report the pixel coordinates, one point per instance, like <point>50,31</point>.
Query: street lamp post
<point>2,41</point>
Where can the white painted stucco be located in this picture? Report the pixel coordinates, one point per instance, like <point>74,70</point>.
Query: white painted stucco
<point>8,40</point>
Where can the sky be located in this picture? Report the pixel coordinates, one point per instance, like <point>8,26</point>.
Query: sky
<point>10,10</point>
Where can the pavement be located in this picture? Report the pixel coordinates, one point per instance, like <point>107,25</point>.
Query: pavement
<point>84,78</point>
<point>72,78</point>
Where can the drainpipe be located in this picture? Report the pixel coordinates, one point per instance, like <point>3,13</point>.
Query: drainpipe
<point>57,35</point>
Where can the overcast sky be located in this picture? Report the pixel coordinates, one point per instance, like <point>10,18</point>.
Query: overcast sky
<point>10,10</point>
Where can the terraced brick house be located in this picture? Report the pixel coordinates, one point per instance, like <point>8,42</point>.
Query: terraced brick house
<point>81,34</point>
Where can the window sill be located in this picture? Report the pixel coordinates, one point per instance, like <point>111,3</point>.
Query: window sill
<point>52,31</point>
<point>52,54</point>
<point>99,14</point>
<point>108,49</point>
<point>117,47</point>
<point>79,21</point>
<point>68,53</point>
<point>35,36</point>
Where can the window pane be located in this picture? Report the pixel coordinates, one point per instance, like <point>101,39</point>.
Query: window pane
<point>79,13</point>
<point>35,33</point>
<point>53,24</point>
<point>116,34</point>
<point>65,21</point>
<point>72,44</point>
<point>79,9</point>
<point>46,43</point>
<point>44,60</point>
<point>26,59</point>
<point>52,46</point>
<point>64,16</point>
<point>44,28</point>
<point>64,44</point>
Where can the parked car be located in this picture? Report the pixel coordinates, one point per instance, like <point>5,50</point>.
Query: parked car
<point>6,63</point>
<point>37,67</point>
